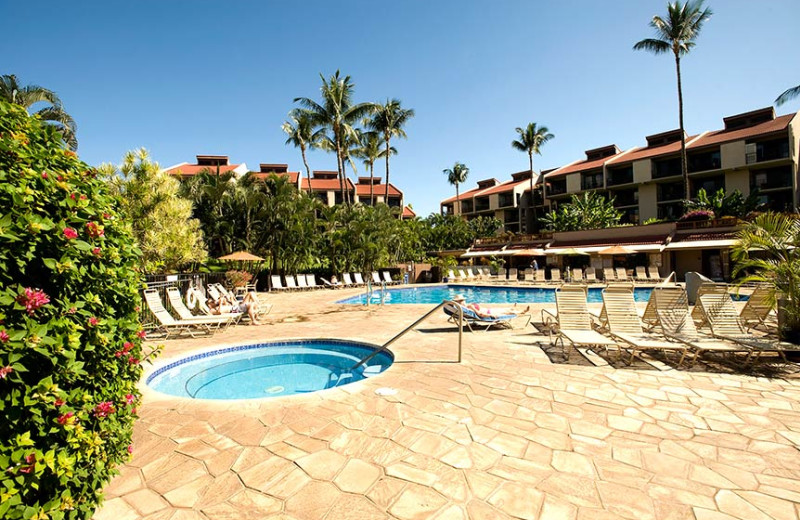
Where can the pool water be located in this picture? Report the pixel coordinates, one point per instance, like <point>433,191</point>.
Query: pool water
<point>268,370</point>
<point>483,294</point>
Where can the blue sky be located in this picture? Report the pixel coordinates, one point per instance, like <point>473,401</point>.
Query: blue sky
<point>188,77</point>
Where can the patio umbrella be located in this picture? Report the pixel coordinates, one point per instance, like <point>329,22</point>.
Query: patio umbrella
<point>569,251</point>
<point>616,250</point>
<point>529,252</point>
<point>241,256</point>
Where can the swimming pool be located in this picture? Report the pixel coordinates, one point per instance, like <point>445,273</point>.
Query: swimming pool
<point>482,294</point>
<point>268,369</point>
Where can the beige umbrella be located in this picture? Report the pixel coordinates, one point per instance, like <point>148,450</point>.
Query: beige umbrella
<point>569,251</point>
<point>241,256</point>
<point>529,252</point>
<point>616,250</point>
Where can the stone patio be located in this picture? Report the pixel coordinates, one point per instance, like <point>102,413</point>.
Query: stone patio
<point>504,434</point>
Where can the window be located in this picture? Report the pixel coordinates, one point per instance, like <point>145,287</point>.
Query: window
<point>771,178</point>
<point>629,216</point>
<point>625,197</point>
<point>666,167</point>
<point>702,161</point>
<point>670,191</point>
<point>620,176</point>
<point>777,200</point>
<point>591,180</point>
<point>505,199</point>
<point>710,184</point>
<point>671,211</point>
<point>481,203</point>
<point>557,187</point>
<point>771,150</point>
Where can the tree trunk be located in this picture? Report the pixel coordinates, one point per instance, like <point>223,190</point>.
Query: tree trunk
<point>308,170</point>
<point>533,199</point>
<point>457,202</point>
<point>684,169</point>
<point>371,184</point>
<point>386,192</point>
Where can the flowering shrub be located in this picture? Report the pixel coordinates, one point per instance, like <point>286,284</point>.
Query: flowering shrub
<point>68,292</point>
<point>698,214</point>
<point>238,278</point>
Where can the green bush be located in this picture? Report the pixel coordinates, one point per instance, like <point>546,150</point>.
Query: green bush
<point>70,340</point>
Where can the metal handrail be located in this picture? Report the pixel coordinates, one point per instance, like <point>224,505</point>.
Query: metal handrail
<point>420,320</point>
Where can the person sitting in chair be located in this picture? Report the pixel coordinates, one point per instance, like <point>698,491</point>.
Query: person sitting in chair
<point>249,304</point>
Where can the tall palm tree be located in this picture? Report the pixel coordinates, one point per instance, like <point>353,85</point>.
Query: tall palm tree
<point>29,95</point>
<point>301,134</point>
<point>455,176</point>
<point>389,120</point>
<point>531,140</point>
<point>788,95</point>
<point>677,33</point>
<point>336,113</point>
<point>370,151</point>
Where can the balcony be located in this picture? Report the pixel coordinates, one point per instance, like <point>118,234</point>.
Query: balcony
<point>771,178</point>
<point>557,188</point>
<point>591,181</point>
<point>467,207</point>
<point>710,184</point>
<point>666,168</point>
<point>767,151</point>
<point>625,198</point>
<point>620,176</point>
<point>482,204</point>
<point>671,191</point>
<point>505,200</point>
<point>700,162</point>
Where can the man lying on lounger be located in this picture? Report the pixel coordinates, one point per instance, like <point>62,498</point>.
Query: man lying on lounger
<point>249,304</point>
<point>486,312</point>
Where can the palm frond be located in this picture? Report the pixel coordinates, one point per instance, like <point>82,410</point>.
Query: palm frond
<point>652,45</point>
<point>788,95</point>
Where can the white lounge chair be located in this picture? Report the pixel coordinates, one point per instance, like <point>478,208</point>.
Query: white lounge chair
<point>358,279</point>
<point>275,282</point>
<point>291,283</point>
<point>175,300</point>
<point>609,275</point>
<point>302,284</point>
<point>653,274</point>
<point>641,273</point>
<point>169,325</point>
<point>622,274</point>
<point>388,278</point>
<point>572,323</point>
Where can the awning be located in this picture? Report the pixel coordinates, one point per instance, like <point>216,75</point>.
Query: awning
<point>527,252</point>
<point>636,248</point>
<point>493,252</point>
<point>703,244</point>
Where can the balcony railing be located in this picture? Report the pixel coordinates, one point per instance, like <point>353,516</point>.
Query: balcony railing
<point>620,177</point>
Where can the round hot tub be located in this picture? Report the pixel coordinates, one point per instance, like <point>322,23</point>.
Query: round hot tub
<point>269,369</point>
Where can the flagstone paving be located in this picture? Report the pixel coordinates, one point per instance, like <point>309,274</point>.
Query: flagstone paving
<point>505,434</point>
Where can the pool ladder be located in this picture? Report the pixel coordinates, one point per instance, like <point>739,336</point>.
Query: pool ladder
<point>371,291</point>
<point>459,312</point>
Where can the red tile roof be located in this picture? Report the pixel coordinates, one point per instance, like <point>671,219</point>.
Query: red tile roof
<point>377,189</point>
<point>326,184</point>
<point>408,212</point>
<point>187,170</point>
<point>580,166</point>
<point>506,186</point>
<point>646,152</point>
<point>293,176</point>
<point>723,136</point>
<point>463,195</point>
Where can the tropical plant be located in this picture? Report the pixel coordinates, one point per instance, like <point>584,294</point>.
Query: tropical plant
<point>589,210</point>
<point>457,175</point>
<point>531,139</point>
<point>768,251</point>
<point>733,204</point>
<point>371,150</point>
<point>388,120</point>
<point>484,226</point>
<point>697,214</point>
<point>337,114</point>
<point>677,34</point>
<point>300,130</point>
<point>238,278</point>
<point>70,339</point>
<point>788,95</point>
<point>653,220</point>
<point>54,113</point>
<point>446,232</point>
<point>165,232</point>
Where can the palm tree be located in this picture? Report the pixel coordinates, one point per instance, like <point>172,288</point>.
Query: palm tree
<point>677,34</point>
<point>336,113</point>
<point>531,139</point>
<point>455,176</point>
<point>776,239</point>
<point>301,134</point>
<point>788,95</point>
<point>389,120</point>
<point>29,95</point>
<point>370,151</point>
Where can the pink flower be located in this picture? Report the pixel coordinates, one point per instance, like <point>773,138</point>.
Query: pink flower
<point>104,409</point>
<point>44,175</point>
<point>106,216</point>
<point>83,197</point>
<point>72,196</point>
<point>133,361</point>
<point>96,251</point>
<point>118,353</point>
<point>130,398</point>
<point>130,448</point>
<point>31,461</point>
<point>93,321</point>
<point>94,230</point>
<point>32,299</point>
<point>142,334</point>
<point>64,418</point>
<point>3,336</point>
<point>59,403</point>
<point>4,371</point>
<point>72,310</point>
<point>59,178</point>
<point>70,233</point>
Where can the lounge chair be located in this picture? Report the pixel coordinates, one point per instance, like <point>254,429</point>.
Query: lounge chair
<point>608,274</point>
<point>302,284</point>
<point>706,288</point>
<point>175,300</point>
<point>486,274</point>
<point>169,325</point>
<point>650,318</point>
<point>539,276</point>
<point>622,274</point>
<point>555,275</point>
<point>376,277</point>
<point>528,275</point>
<point>572,323</point>
<point>577,275</point>
<point>589,275</point>
<point>331,285</point>
<point>291,283</point>
<point>758,310</point>
<point>470,274</point>
<point>276,284</point>
<point>623,323</point>
<point>388,278</point>
<point>311,281</point>
<point>653,275</point>
<point>471,317</point>
<point>513,274</point>
<point>723,320</point>
<point>358,279</point>
<point>641,273</point>
<point>675,322</point>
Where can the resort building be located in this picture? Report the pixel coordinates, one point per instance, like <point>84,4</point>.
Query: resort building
<point>325,186</point>
<point>753,151</point>
<point>281,170</point>
<point>213,163</point>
